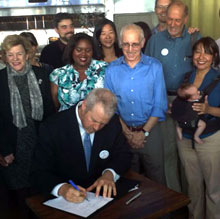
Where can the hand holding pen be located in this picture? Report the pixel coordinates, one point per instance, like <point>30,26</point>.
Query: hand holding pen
<point>71,194</point>
<point>76,187</point>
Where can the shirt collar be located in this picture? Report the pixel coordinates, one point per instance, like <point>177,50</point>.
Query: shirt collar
<point>77,116</point>
<point>122,59</point>
<point>81,129</point>
<point>155,29</point>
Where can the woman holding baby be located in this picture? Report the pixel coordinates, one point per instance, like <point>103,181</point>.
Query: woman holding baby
<point>202,163</point>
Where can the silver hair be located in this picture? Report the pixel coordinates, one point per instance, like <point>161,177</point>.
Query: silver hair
<point>132,27</point>
<point>104,97</point>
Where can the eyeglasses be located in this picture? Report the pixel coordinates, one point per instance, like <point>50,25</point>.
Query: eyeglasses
<point>128,45</point>
<point>162,7</point>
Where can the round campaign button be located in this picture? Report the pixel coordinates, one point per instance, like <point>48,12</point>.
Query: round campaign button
<point>104,154</point>
<point>164,52</point>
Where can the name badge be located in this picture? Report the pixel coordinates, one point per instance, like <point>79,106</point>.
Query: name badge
<point>104,154</point>
<point>164,52</point>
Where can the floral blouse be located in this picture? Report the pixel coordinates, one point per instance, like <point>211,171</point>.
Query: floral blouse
<point>71,89</point>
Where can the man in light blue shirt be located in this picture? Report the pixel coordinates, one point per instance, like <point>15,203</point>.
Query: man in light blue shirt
<point>138,83</point>
<point>173,48</point>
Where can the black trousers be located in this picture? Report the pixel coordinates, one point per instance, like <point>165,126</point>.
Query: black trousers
<point>12,203</point>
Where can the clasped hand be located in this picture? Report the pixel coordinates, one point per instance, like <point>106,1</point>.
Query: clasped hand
<point>136,139</point>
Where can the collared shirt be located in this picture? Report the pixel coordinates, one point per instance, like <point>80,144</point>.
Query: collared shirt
<point>140,90</point>
<point>83,133</point>
<point>155,30</point>
<point>175,54</point>
<point>70,89</point>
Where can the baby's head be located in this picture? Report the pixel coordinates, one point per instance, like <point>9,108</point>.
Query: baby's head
<point>188,92</point>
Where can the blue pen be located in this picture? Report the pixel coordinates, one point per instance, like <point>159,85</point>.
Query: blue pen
<point>75,187</point>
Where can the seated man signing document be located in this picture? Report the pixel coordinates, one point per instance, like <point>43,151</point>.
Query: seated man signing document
<point>84,144</point>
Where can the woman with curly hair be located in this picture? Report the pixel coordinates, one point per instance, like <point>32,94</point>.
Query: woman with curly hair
<point>72,82</point>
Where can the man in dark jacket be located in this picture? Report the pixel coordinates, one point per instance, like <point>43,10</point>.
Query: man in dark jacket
<point>52,54</point>
<point>64,154</point>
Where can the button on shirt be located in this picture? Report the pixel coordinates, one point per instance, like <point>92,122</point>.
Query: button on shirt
<point>140,90</point>
<point>83,133</point>
<point>175,54</point>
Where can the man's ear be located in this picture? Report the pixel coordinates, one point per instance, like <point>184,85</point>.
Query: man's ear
<point>186,19</point>
<point>142,43</point>
<point>83,105</point>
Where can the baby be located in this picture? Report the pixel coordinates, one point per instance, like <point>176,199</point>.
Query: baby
<point>190,93</point>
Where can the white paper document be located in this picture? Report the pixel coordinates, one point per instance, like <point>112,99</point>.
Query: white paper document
<point>83,209</point>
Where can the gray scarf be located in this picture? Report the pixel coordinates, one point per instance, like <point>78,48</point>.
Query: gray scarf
<point>19,118</point>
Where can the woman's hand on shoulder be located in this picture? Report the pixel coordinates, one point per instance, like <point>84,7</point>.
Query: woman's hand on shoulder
<point>192,30</point>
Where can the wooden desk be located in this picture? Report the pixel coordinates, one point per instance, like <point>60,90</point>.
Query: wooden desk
<point>156,200</point>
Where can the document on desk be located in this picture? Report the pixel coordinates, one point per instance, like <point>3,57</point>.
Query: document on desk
<point>83,209</point>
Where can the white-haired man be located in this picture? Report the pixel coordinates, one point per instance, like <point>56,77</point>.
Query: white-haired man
<point>137,81</point>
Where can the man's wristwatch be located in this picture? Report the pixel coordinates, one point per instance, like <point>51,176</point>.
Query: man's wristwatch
<point>146,133</point>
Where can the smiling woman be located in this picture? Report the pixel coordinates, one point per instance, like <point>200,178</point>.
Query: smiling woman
<point>25,103</point>
<point>15,52</point>
<point>202,163</point>
<point>72,82</point>
<point>16,58</point>
<point>106,41</point>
